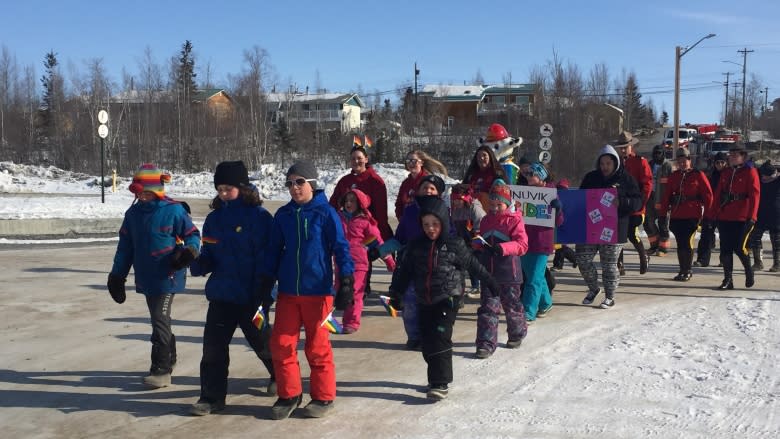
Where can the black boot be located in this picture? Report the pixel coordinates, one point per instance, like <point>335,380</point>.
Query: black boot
<point>758,263</point>
<point>776,265</point>
<point>749,278</point>
<point>727,283</point>
<point>558,260</point>
<point>644,260</point>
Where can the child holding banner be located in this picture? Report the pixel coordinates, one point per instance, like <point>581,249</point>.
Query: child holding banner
<point>502,241</point>
<point>608,174</point>
<point>466,213</point>
<point>537,300</point>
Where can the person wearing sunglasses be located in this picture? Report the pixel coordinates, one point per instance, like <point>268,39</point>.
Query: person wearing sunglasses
<point>419,164</point>
<point>306,237</point>
<point>707,237</point>
<point>735,208</point>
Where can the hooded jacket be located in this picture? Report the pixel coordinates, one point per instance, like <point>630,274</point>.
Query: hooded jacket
<point>372,184</point>
<point>304,240</point>
<point>436,266</point>
<point>628,194</point>
<point>235,241</point>
<point>151,231</point>
<point>360,230</point>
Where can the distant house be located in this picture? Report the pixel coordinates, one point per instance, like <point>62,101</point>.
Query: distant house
<point>325,110</point>
<point>219,104</point>
<point>471,106</point>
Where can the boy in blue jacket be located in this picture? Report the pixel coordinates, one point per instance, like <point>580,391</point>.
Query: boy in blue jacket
<point>159,241</point>
<point>307,235</point>
<point>235,238</point>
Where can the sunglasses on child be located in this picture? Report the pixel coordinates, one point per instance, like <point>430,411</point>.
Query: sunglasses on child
<point>412,162</point>
<point>297,182</point>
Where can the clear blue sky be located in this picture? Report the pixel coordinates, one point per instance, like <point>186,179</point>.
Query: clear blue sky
<point>374,44</point>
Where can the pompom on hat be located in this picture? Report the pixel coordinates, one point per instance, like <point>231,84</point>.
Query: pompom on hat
<point>500,191</point>
<point>149,178</point>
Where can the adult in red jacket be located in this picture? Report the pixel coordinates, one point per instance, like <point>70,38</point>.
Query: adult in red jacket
<point>638,168</point>
<point>364,177</point>
<point>735,208</point>
<point>687,196</point>
<point>419,164</point>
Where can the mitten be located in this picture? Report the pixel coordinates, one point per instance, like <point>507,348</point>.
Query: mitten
<point>345,294</point>
<point>496,250</point>
<point>555,204</point>
<point>116,287</point>
<point>262,293</point>
<point>183,257</point>
<point>495,289</point>
<point>390,263</point>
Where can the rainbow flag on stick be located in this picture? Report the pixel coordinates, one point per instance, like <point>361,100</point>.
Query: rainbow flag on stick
<point>368,141</point>
<point>389,308</point>
<point>356,140</point>
<point>331,324</point>
<point>259,319</point>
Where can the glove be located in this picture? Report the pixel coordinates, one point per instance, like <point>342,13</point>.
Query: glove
<point>395,300</point>
<point>390,264</point>
<point>496,250</point>
<point>345,296</point>
<point>116,287</point>
<point>493,287</point>
<point>373,254</point>
<point>182,257</point>
<point>262,293</point>
<point>555,204</point>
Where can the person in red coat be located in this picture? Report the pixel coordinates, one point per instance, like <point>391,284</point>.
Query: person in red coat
<point>638,168</point>
<point>364,177</point>
<point>419,164</point>
<point>687,196</point>
<point>735,208</point>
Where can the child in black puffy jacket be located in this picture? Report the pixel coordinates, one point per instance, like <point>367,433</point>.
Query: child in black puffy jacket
<point>435,263</point>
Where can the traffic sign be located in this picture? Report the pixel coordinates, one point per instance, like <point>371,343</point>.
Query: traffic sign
<point>545,157</point>
<point>103,116</point>
<point>546,130</point>
<point>545,143</point>
<point>103,131</point>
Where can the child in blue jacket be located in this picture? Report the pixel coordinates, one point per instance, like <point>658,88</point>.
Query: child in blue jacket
<point>235,238</point>
<point>159,241</point>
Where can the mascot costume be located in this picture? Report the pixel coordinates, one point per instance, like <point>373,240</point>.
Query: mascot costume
<point>503,145</point>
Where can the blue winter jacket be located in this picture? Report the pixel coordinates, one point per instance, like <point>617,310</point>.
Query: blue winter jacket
<point>304,239</point>
<point>150,233</point>
<point>235,239</point>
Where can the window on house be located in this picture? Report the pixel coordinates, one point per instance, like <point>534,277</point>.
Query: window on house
<point>521,100</point>
<point>305,107</point>
<point>450,122</point>
<point>499,99</point>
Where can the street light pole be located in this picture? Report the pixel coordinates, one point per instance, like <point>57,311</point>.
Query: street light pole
<point>679,52</point>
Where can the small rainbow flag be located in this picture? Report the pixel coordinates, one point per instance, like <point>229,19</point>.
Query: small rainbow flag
<point>370,242</point>
<point>356,140</point>
<point>332,325</point>
<point>469,225</point>
<point>368,141</point>
<point>259,319</point>
<point>389,308</point>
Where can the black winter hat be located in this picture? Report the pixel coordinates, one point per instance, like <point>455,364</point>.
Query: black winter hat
<point>433,205</point>
<point>306,170</point>
<point>434,180</point>
<point>231,173</point>
<point>721,156</point>
<point>767,169</point>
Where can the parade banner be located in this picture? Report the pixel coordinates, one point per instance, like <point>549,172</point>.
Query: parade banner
<point>534,203</point>
<point>590,217</point>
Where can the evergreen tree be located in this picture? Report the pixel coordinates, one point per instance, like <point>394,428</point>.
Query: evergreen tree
<point>185,77</point>
<point>664,117</point>
<point>632,103</point>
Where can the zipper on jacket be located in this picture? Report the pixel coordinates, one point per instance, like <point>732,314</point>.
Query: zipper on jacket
<point>430,273</point>
<point>306,228</point>
<point>298,253</point>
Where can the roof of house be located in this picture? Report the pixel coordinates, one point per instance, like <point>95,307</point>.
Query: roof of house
<point>473,93</point>
<point>336,98</point>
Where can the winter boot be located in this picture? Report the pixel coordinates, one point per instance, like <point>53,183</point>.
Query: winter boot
<point>776,265</point>
<point>203,407</point>
<point>591,296</point>
<point>317,408</point>
<point>749,278</point>
<point>437,392</point>
<point>558,260</point>
<point>283,407</point>
<point>482,353</point>
<point>644,259</point>
<point>758,263</point>
<point>157,380</point>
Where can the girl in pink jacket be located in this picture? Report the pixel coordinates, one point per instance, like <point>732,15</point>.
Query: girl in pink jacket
<point>362,233</point>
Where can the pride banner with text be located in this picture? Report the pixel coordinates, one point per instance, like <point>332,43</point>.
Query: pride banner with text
<point>534,203</point>
<point>590,217</point>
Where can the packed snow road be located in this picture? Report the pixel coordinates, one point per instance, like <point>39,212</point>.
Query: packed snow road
<point>670,360</point>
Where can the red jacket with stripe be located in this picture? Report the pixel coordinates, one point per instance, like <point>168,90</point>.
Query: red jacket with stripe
<point>638,168</point>
<point>687,196</point>
<point>737,195</point>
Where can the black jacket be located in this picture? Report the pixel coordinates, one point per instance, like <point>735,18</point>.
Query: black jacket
<point>769,205</point>
<point>436,267</point>
<point>629,196</point>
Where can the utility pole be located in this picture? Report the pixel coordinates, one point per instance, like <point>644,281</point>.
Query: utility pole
<point>744,53</point>
<point>726,107</point>
<point>734,105</point>
<point>766,100</point>
<point>416,74</point>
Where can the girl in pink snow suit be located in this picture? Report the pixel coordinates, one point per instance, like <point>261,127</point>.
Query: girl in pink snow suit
<point>362,232</point>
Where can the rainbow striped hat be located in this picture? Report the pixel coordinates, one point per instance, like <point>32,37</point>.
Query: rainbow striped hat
<point>149,178</point>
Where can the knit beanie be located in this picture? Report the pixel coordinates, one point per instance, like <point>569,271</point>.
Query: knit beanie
<point>767,169</point>
<point>500,191</point>
<point>539,170</point>
<point>721,156</point>
<point>306,170</point>
<point>231,173</point>
<point>434,180</point>
<point>149,178</point>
